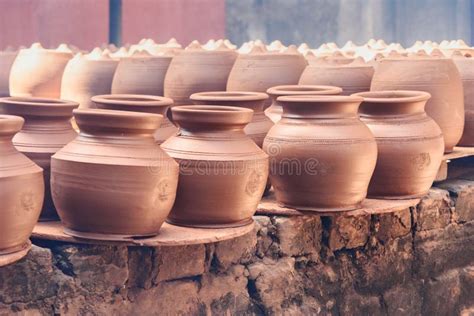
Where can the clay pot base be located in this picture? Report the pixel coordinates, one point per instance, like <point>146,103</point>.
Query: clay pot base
<point>13,255</point>
<point>241,223</point>
<point>394,198</point>
<point>107,237</point>
<point>320,210</point>
<point>169,235</point>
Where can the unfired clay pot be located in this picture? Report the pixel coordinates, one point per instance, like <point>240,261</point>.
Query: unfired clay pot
<point>321,155</point>
<point>437,76</point>
<point>86,76</point>
<point>141,74</point>
<point>140,103</point>
<point>275,111</point>
<point>223,173</point>
<point>259,70</point>
<point>37,72</point>
<point>113,181</point>
<point>21,190</point>
<point>258,128</point>
<point>195,70</point>
<point>6,61</point>
<point>47,129</point>
<point>465,66</point>
<point>410,144</point>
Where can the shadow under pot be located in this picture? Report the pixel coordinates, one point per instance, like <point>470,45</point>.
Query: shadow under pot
<point>113,182</point>
<point>275,111</point>
<point>21,190</point>
<point>410,143</point>
<point>223,173</point>
<point>321,155</point>
<point>46,130</point>
<point>140,103</point>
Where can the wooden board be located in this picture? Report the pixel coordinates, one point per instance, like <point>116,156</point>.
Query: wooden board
<point>458,152</point>
<point>14,257</point>
<point>269,206</point>
<point>170,235</point>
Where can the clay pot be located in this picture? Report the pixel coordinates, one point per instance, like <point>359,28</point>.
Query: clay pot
<point>258,128</point>
<point>466,69</point>
<point>321,155</point>
<point>259,70</point>
<point>21,190</point>
<point>86,76</point>
<point>113,181</point>
<point>352,77</point>
<point>37,72</point>
<point>437,76</point>
<point>141,103</point>
<point>197,70</point>
<point>47,129</point>
<point>6,61</point>
<point>223,173</point>
<point>410,144</point>
<point>275,111</point>
<point>141,74</point>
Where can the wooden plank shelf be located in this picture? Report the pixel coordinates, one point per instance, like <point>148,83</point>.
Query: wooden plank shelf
<point>457,153</point>
<point>14,257</point>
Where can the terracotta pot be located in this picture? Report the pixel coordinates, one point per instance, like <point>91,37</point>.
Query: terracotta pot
<point>141,74</point>
<point>222,172</point>
<point>86,76</point>
<point>141,103</point>
<point>275,111</point>
<point>6,61</point>
<point>47,129</point>
<point>437,76</point>
<point>113,181</point>
<point>21,190</point>
<point>258,128</point>
<point>196,70</point>
<point>352,77</point>
<point>37,72</point>
<point>259,70</point>
<point>321,155</point>
<point>466,69</point>
<point>410,144</point>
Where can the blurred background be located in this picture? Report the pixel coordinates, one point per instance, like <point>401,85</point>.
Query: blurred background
<point>87,23</point>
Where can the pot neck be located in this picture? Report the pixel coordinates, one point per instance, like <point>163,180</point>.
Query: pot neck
<point>319,110</point>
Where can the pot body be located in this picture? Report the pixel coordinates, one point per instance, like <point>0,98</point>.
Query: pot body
<point>320,160</point>
<point>21,190</point>
<point>197,70</point>
<point>437,76</point>
<point>466,69</point>
<point>113,181</point>
<point>84,78</point>
<point>38,73</point>
<point>223,174</point>
<point>6,62</point>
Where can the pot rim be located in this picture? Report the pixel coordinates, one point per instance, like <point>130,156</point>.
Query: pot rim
<point>128,99</point>
<point>38,107</point>
<point>220,109</point>
<point>229,96</point>
<point>393,96</point>
<point>10,124</point>
<point>286,90</point>
<point>38,101</point>
<point>211,115</point>
<point>320,98</point>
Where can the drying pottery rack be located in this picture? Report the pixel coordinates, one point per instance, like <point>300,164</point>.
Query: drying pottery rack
<point>457,153</point>
<point>169,235</point>
<point>10,258</point>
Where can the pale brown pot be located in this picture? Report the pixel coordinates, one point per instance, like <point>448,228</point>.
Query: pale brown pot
<point>321,155</point>
<point>113,181</point>
<point>410,143</point>
<point>46,130</point>
<point>21,190</point>
<point>223,173</point>
<point>466,69</point>
<point>6,62</point>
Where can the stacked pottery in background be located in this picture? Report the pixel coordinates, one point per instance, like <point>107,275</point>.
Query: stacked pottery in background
<point>321,155</point>
<point>223,173</point>
<point>409,142</point>
<point>21,190</point>
<point>113,181</point>
<point>275,111</point>
<point>465,66</point>
<point>86,76</point>
<point>47,129</point>
<point>140,103</point>
<point>7,57</point>
<point>196,69</point>
<point>37,72</point>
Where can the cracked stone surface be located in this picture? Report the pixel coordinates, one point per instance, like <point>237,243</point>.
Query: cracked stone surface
<point>417,261</point>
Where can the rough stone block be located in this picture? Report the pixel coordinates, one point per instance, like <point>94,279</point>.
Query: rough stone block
<point>299,235</point>
<point>392,225</point>
<point>467,286</point>
<point>355,304</point>
<point>441,294</point>
<point>180,262</point>
<point>434,210</point>
<point>348,231</point>
<point>141,267</point>
<point>267,243</point>
<point>403,300</point>
<point>238,250</point>
<point>462,192</point>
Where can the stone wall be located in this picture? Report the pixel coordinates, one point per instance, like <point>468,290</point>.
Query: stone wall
<point>417,261</point>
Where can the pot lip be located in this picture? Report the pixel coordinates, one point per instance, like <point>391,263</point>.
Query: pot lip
<point>104,113</point>
<point>287,90</point>
<point>393,96</point>
<point>414,58</point>
<point>320,98</point>
<point>229,96</point>
<point>127,99</point>
<point>10,124</point>
<point>40,102</point>
<point>210,109</point>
